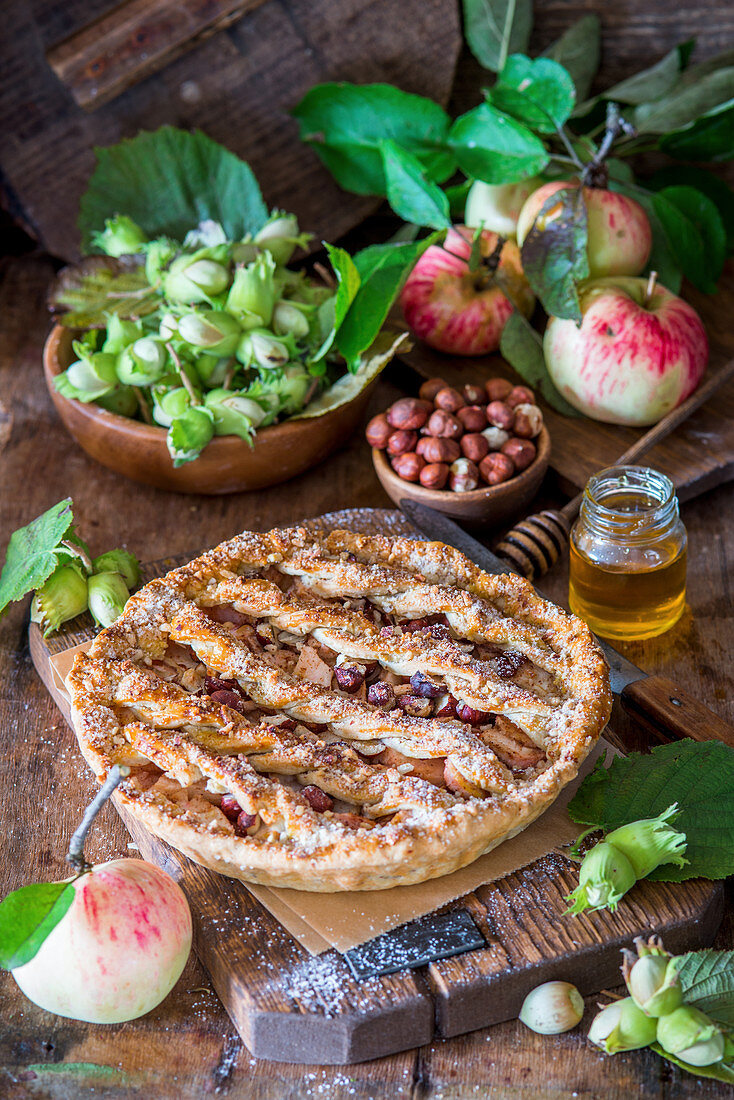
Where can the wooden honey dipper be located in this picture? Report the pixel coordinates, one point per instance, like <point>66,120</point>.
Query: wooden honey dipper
<point>533,546</point>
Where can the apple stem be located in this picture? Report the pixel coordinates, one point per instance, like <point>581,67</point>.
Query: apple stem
<point>75,855</point>
<point>596,173</point>
<point>650,288</point>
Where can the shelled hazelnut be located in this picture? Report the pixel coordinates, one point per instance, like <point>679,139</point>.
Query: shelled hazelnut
<point>401,442</point>
<point>456,440</point>
<point>408,466</point>
<point>434,475</point>
<point>521,451</point>
<point>464,475</point>
<point>438,450</point>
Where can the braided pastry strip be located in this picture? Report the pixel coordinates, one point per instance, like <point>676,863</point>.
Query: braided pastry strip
<point>190,736</point>
<point>351,633</point>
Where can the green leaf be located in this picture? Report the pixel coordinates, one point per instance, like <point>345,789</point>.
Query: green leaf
<point>720,1071</point>
<point>383,274</point>
<point>709,138</point>
<point>707,981</point>
<point>685,104</point>
<point>699,776</point>
<point>348,283</point>
<point>26,918</point>
<point>496,28</point>
<point>578,50</point>
<point>654,82</point>
<point>538,93</point>
<point>695,232</point>
<point>99,287</point>
<point>522,347</point>
<point>554,253</point>
<point>661,257</point>
<point>346,388</point>
<point>492,147</point>
<point>347,124</point>
<point>457,195</point>
<point>169,180</point>
<point>691,175</point>
<point>33,553</point>
<point>412,196</point>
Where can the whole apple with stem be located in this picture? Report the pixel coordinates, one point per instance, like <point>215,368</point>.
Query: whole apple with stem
<point>497,206</point>
<point>619,234</point>
<point>638,352</point>
<point>122,944</point>
<point>460,311</point>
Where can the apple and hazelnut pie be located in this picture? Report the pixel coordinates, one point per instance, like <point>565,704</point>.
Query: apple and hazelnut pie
<point>338,711</point>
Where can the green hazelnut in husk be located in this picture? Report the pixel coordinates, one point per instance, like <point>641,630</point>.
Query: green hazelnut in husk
<point>233,414</point>
<point>213,331</point>
<point>188,434</point>
<point>653,977</point>
<point>290,318</point>
<point>650,842</point>
<point>89,378</point>
<point>252,295</point>
<point>62,597</point>
<point>690,1035</point>
<point>622,1026</point>
<point>280,236</point>
<point>261,347</point>
<point>121,236</point>
<point>169,404</point>
<point>143,363</point>
<point>119,561</point>
<point>158,255</point>
<point>120,334</point>
<point>196,277</point>
<point>121,400</point>
<point>604,878</point>
<point>108,595</point>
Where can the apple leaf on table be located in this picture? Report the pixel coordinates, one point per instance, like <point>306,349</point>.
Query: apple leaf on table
<point>26,918</point>
<point>554,253</point>
<point>346,125</point>
<point>496,28</point>
<point>411,194</point>
<point>695,233</point>
<point>539,93</point>
<point>522,347</point>
<point>493,147</point>
<point>699,776</point>
<point>578,50</point>
<point>34,552</point>
<point>714,187</point>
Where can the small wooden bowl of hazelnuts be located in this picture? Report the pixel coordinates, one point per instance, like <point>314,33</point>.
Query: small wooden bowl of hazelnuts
<point>477,454</point>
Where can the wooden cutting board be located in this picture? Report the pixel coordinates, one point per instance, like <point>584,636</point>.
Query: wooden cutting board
<point>698,456</point>
<point>293,1007</point>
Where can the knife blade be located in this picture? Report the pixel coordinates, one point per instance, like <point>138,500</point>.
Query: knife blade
<point>663,708</point>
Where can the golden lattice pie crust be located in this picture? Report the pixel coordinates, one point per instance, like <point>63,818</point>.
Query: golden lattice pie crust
<point>338,711</point>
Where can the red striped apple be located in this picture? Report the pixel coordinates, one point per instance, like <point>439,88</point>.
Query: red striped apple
<point>634,357</point>
<point>619,234</point>
<point>460,311</point>
<point>118,950</point>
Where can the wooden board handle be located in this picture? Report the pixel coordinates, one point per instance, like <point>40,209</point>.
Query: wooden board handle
<point>668,712</point>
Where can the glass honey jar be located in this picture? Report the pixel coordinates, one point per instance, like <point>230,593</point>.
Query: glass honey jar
<point>627,573</point>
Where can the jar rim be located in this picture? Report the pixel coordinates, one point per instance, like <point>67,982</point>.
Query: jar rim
<point>655,493</point>
<point>642,479</point>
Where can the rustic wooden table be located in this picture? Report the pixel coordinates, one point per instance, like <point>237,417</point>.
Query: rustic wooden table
<point>187,1047</point>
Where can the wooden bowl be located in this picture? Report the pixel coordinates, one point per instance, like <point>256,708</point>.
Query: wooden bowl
<point>490,505</point>
<point>226,465</point>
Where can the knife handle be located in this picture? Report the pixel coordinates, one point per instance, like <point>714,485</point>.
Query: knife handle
<point>669,713</point>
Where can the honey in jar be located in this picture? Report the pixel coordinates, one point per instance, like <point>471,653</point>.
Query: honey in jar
<point>627,574</point>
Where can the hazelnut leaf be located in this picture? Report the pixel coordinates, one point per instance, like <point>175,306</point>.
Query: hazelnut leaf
<point>26,918</point>
<point>34,552</point>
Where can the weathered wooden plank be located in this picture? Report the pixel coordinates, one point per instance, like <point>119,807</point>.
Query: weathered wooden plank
<point>135,39</point>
